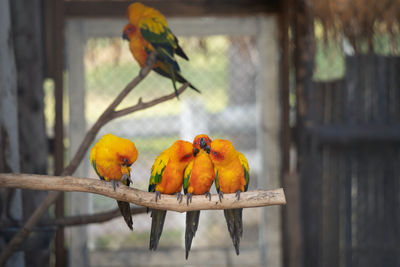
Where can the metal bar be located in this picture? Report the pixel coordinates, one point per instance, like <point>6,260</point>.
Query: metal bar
<point>346,134</point>
<point>59,122</point>
<point>172,8</point>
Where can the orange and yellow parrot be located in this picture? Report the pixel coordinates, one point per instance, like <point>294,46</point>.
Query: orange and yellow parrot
<point>111,158</point>
<point>232,176</point>
<point>167,178</point>
<point>198,178</point>
<point>148,31</point>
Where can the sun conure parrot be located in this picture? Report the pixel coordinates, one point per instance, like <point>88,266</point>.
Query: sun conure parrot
<point>232,176</point>
<point>111,158</point>
<point>198,178</point>
<point>148,31</point>
<point>167,178</point>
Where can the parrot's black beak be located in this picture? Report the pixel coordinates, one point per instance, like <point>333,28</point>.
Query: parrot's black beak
<point>207,149</point>
<point>202,143</point>
<point>195,151</point>
<point>125,36</point>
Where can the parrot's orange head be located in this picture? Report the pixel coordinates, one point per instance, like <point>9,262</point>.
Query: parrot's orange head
<point>221,150</point>
<point>128,32</point>
<point>124,150</point>
<point>201,141</point>
<point>127,154</point>
<point>183,151</point>
<point>135,12</point>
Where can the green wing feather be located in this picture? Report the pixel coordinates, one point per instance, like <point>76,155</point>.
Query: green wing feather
<point>95,169</point>
<point>157,33</point>
<point>186,176</point>
<point>157,171</point>
<point>246,170</point>
<point>216,180</point>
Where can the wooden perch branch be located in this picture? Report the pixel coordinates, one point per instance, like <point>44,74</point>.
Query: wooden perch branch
<point>251,199</point>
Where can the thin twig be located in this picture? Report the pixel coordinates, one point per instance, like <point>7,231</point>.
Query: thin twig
<point>143,105</point>
<point>107,115</point>
<point>249,199</point>
<point>99,217</point>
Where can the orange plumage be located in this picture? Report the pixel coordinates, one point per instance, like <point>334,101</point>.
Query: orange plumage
<point>232,177</point>
<point>199,176</point>
<point>111,158</point>
<point>167,178</point>
<point>148,31</point>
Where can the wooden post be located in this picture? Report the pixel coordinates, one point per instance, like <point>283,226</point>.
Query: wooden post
<point>10,199</point>
<point>27,26</point>
<point>268,97</point>
<point>78,203</point>
<point>304,64</point>
<point>291,230</point>
<point>59,121</point>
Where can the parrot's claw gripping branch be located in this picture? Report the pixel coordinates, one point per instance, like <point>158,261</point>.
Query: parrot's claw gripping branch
<point>125,178</point>
<point>250,199</point>
<point>158,195</point>
<point>188,198</point>
<point>220,196</point>
<point>115,184</point>
<point>150,61</point>
<point>238,194</point>
<point>208,195</point>
<point>179,197</point>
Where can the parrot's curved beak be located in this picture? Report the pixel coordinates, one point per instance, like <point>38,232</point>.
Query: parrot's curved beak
<point>125,36</point>
<point>195,151</point>
<point>202,143</point>
<point>204,146</point>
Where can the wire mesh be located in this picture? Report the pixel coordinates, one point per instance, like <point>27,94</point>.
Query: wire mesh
<point>226,108</point>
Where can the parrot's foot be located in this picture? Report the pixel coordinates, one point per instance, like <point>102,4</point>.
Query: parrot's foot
<point>208,195</point>
<point>115,184</point>
<point>238,194</point>
<point>179,197</point>
<point>221,196</point>
<point>158,195</point>
<point>126,177</point>
<point>188,198</point>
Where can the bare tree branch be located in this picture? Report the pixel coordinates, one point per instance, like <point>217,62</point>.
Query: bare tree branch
<point>99,217</point>
<point>251,199</point>
<point>107,115</point>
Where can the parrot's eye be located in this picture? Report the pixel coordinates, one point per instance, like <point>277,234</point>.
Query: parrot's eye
<point>126,162</point>
<point>187,156</point>
<point>195,143</point>
<point>215,153</point>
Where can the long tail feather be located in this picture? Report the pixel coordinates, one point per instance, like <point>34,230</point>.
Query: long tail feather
<point>181,79</point>
<point>178,77</point>
<point>157,224</point>
<point>125,209</point>
<point>192,222</point>
<point>233,219</point>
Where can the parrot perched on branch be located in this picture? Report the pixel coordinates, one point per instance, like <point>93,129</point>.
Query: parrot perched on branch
<point>232,176</point>
<point>111,158</point>
<point>148,31</point>
<point>167,178</point>
<point>198,178</point>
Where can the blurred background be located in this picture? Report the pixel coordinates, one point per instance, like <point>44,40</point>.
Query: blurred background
<point>309,91</point>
